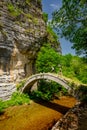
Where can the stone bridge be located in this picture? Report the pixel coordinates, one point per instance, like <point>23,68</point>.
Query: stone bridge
<point>48,76</point>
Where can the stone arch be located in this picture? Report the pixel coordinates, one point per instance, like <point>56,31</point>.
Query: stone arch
<point>31,80</point>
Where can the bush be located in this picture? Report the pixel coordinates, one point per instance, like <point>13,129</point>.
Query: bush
<point>16,99</point>
<point>40,95</point>
<point>48,90</point>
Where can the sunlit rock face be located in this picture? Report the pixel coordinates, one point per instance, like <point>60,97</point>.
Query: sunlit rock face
<point>22,33</point>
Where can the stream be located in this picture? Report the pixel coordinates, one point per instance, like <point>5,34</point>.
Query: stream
<point>39,115</point>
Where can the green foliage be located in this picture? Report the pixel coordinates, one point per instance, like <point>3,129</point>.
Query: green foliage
<point>82,90</point>
<point>40,95</point>
<point>73,67</point>
<point>2,106</point>
<point>45,17</point>
<point>48,90</point>
<point>71,22</point>
<point>20,84</point>
<point>16,99</point>
<point>28,15</point>
<point>47,60</point>
<point>14,11</point>
<point>52,36</point>
<point>28,2</point>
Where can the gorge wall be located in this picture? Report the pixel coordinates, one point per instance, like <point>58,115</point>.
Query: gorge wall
<point>22,33</point>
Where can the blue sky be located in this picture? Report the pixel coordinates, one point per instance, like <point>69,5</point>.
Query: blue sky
<point>49,6</point>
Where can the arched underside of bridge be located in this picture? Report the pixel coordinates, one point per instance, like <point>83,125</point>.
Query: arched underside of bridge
<point>30,82</point>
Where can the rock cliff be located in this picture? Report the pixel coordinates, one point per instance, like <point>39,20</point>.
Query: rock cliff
<point>22,33</point>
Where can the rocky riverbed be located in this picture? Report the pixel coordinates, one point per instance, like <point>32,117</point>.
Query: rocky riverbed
<point>36,116</point>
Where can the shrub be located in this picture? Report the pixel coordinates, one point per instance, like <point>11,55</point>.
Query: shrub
<point>48,90</point>
<point>40,95</point>
<point>16,99</point>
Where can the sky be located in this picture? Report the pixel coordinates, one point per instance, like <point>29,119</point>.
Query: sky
<point>49,6</point>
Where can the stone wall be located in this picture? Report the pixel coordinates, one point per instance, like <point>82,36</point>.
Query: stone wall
<point>7,87</point>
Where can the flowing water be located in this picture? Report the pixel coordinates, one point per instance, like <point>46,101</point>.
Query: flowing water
<point>36,116</point>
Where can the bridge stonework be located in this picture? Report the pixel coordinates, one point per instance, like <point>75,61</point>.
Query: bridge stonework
<point>49,76</point>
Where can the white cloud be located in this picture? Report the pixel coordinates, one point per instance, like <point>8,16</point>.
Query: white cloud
<point>54,6</point>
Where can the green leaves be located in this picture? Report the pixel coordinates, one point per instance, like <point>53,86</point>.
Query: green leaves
<point>17,98</point>
<point>2,106</point>
<point>71,22</point>
<point>47,60</point>
<point>47,90</point>
<point>72,66</point>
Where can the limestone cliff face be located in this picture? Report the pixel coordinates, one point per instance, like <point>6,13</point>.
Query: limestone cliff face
<point>22,33</point>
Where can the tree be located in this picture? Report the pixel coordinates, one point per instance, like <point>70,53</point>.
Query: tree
<point>70,21</point>
<point>74,67</point>
<point>48,60</point>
